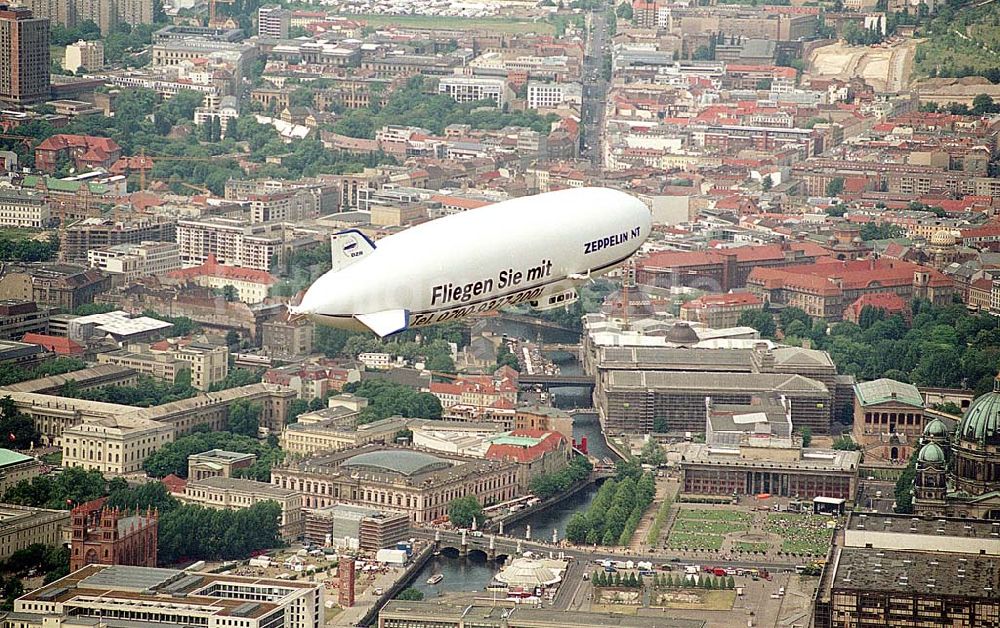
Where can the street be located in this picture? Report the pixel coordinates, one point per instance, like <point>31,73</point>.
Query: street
<point>595,88</point>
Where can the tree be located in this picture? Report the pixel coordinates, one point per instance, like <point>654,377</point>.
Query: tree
<point>16,428</point>
<point>652,454</point>
<point>807,436</point>
<point>410,594</point>
<point>835,186</point>
<point>846,443</point>
<point>759,320</point>
<point>229,293</point>
<point>244,417</point>
<point>766,183</point>
<point>982,104</point>
<point>624,11</point>
<point>506,358</point>
<point>232,339</point>
<point>462,511</point>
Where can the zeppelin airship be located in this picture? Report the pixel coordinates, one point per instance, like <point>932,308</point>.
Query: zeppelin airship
<point>532,251</point>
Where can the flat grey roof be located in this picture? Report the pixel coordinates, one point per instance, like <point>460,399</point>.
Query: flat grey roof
<point>711,382</point>
<point>126,578</point>
<point>918,573</point>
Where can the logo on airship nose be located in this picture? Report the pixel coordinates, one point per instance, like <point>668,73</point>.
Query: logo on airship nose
<point>350,246</point>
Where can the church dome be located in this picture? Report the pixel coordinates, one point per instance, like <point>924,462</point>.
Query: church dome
<point>936,429</point>
<point>682,334</point>
<point>981,422</point>
<point>943,238</point>
<point>930,454</point>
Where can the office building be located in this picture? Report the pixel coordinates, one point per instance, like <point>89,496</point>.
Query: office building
<point>84,55</point>
<point>719,311</point>
<point>18,318</point>
<point>110,536</point>
<point>273,21</point>
<point>127,262</point>
<point>473,89</point>
<point>417,483</point>
<point>23,526</point>
<point>335,429</point>
<point>900,571</point>
<point>236,494</point>
<point>147,597</point>
<point>24,55</point>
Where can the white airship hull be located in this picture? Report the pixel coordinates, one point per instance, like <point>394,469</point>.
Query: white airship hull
<point>531,250</point>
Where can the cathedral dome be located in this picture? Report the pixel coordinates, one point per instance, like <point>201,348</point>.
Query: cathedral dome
<point>981,423</point>
<point>936,429</point>
<point>930,454</point>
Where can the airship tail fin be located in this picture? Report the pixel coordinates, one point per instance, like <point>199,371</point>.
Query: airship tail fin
<point>385,322</point>
<point>348,247</point>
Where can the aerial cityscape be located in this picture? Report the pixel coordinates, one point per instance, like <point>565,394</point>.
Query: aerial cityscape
<point>499,313</point>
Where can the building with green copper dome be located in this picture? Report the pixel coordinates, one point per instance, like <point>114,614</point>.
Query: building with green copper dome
<point>959,476</point>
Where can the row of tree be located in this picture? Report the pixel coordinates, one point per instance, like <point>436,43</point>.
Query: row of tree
<point>173,457</point>
<point>436,354</point>
<point>704,581</point>
<point>630,580</point>
<point>192,532</point>
<point>615,512</point>
<point>24,249</point>
<point>418,104</point>
<point>545,486</point>
<point>146,392</point>
<point>945,345</point>
<point>51,560</point>
<point>387,398</point>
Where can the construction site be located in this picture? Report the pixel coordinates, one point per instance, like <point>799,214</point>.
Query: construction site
<point>886,66</point>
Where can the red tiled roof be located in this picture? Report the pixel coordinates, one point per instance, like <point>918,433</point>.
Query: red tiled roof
<point>710,300</point>
<point>548,441</point>
<point>63,141</point>
<point>212,268</point>
<point>888,301</point>
<point>56,344</point>
<point>174,484</point>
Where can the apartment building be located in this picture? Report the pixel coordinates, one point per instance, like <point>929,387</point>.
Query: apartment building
<point>471,89</point>
<point>283,205</point>
<point>231,242</point>
<point>127,262</point>
<point>273,21</point>
<point>24,55</point>
<point>544,95</point>
<point>86,55</point>
<point>23,208</point>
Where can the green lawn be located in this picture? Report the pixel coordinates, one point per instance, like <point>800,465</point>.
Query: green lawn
<point>801,534</point>
<point>713,515</point>
<point>498,25</point>
<point>743,546</point>
<point>709,527</point>
<point>685,540</point>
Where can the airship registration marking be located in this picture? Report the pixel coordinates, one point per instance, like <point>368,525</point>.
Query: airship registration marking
<point>610,240</point>
<point>486,306</point>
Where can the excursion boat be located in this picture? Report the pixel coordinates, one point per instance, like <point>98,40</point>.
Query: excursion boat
<point>436,578</point>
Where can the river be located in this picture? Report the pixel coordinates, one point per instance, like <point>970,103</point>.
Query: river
<point>474,573</point>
